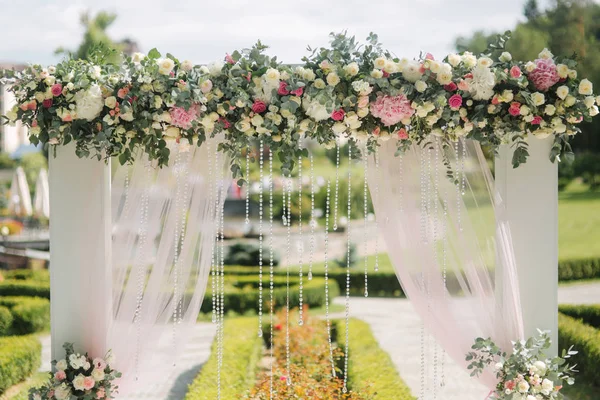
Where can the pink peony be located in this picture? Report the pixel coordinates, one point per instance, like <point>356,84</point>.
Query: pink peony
<point>47,103</point>
<point>515,109</point>
<point>60,375</point>
<point>451,87</point>
<point>259,106</point>
<point>391,109</point>
<point>338,115</point>
<point>229,59</point>
<point>544,76</point>
<point>455,101</point>
<point>536,120</point>
<point>88,383</point>
<point>283,91</point>
<point>515,72</point>
<point>56,89</point>
<point>402,134</point>
<point>182,118</point>
<point>298,92</point>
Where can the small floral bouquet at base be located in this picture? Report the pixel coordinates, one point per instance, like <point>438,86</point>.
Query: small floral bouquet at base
<point>526,374</point>
<point>79,377</point>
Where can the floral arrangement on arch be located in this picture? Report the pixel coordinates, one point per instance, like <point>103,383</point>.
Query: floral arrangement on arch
<point>79,377</point>
<point>357,91</point>
<point>527,373</point>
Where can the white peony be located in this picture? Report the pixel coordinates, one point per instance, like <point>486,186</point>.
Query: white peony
<point>484,62</point>
<point>482,84</point>
<point>89,103</point>
<point>586,88</point>
<point>314,109</point>
<point>562,92</point>
<point>454,59</point>
<point>215,68</point>
<point>523,386</point>
<point>444,77</point>
<point>165,65</point>
<point>420,86</point>
<point>412,71</point>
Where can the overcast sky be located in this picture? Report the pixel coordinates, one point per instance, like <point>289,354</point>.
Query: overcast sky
<point>203,30</point>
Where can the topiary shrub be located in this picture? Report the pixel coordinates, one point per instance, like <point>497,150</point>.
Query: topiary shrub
<point>20,356</point>
<point>41,275</point>
<point>572,270</point>
<point>6,320</point>
<point>586,340</point>
<point>13,287</point>
<point>589,314</point>
<point>30,314</point>
<point>248,255</point>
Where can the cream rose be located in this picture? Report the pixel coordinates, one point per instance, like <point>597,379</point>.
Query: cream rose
<point>319,83</point>
<point>379,63</point>
<point>165,66</point>
<point>538,98</point>
<point>550,110</point>
<point>506,57</point>
<point>272,75</point>
<point>187,65</point>
<point>351,69</point>
<point>562,92</point>
<point>586,87</point>
<point>78,382</point>
<point>377,74</point>
<point>110,102</point>
<point>420,86</point>
<point>333,79</point>
<point>454,59</point>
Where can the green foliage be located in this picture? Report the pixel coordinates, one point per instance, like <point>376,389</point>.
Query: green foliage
<point>571,270</point>
<point>38,275</point>
<point>241,354</point>
<point>248,254</point>
<point>586,340</point>
<point>30,314</point>
<point>241,293</point>
<point>24,288</point>
<point>587,166</point>
<point>20,356</point>
<point>6,162</point>
<point>6,320</point>
<point>350,257</point>
<point>370,367</point>
<point>589,314</point>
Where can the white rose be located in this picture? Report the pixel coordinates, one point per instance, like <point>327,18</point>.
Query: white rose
<point>538,98</point>
<point>420,86</point>
<point>319,83</point>
<point>128,116</point>
<point>594,111</point>
<point>187,65</point>
<point>485,62</point>
<point>586,88</point>
<point>272,75</point>
<point>165,66</point>
<point>172,131</point>
<point>89,103</point>
<point>137,57</point>
<point>78,382</point>
<point>62,392</point>
<point>110,102</point>
<point>570,101</point>
<point>308,74</point>
<point>562,92</point>
<point>523,386</point>
<point>545,54</point>
<point>547,386</point>
<point>530,397</point>
<point>377,74</point>
<point>506,57</point>
<point>507,96</point>
<point>351,69</point>
<point>444,77</point>
<point>98,375</point>
<point>333,79</point>
<point>339,128</point>
<point>215,68</point>
<point>525,110</point>
<point>362,112</point>
<point>50,80</point>
<point>206,86</point>
<point>563,70</point>
<point>390,67</point>
<point>412,71</point>
<point>529,66</point>
<point>589,101</point>
<point>454,59</point>
<point>96,72</point>
<point>434,66</point>
<point>469,60</point>
<point>379,63</point>
<point>550,109</point>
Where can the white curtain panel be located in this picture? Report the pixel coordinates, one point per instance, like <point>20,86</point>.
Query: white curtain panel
<point>452,252</point>
<point>164,228</point>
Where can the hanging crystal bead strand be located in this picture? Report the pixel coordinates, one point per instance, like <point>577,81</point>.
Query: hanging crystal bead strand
<point>424,240</point>
<point>313,222</point>
<point>260,238</point>
<point>271,264</point>
<point>435,239</point>
<point>365,212</point>
<point>221,331</point>
<point>287,281</point>
<point>327,212</point>
<point>458,184</point>
<point>215,242</point>
<point>300,242</point>
<point>247,221</point>
<point>175,269</point>
<point>444,275</point>
<point>377,177</point>
<point>183,226</point>
<point>348,244</point>
<point>337,182</point>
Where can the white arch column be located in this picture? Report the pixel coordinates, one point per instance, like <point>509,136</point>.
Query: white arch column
<point>531,196</point>
<point>80,252</point>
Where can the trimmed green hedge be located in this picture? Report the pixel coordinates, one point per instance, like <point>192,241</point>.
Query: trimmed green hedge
<point>572,270</point>
<point>30,314</point>
<point>20,356</point>
<point>241,294</point>
<point>241,353</point>
<point>42,275</point>
<point>6,320</point>
<point>590,314</point>
<point>14,287</point>
<point>370,368</point>
<point>586,340</point>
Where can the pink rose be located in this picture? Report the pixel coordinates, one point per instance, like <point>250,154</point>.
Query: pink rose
<point>363,101</point>
<point>122,93</point>
<point>60,375</point>
<point>34,123</point>
<point>32,105</point>
<point>429,56</point>
<point>495,100</point>
<point>99,364</point>
<point>338,115</point>
<point>298,92</point>
<point>463,85</point>
<point>385,74</point>
<point>88,383</point>
<point>47,103</point>
<point>282,91</point>
<point>455,101</point>
<point>229,59</point>
<point>536,120</point>
<point>376,131</point>
<point>56,89</point>
<point>248,76</point>
<point>451,87</point>
<point>515,72</point>
<point>259,106</point>
<point>226,124</point>
<point>67,118</point>
<point>510,385</point>
<point>515,109</point>
<point>402,134</point>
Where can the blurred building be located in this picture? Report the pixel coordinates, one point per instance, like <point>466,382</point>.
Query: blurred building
<point>11,137</point>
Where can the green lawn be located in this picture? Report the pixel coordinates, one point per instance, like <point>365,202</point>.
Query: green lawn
<point>578,223</point>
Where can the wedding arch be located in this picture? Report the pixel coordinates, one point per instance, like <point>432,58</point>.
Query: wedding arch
<point>133,255</point>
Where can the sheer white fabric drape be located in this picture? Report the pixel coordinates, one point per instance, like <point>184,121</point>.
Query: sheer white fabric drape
<point>452,252</point>
<point>164,228</point>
